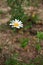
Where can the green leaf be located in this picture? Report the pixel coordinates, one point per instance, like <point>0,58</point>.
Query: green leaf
<point>38,47</point>
<point>24,42</point>
<point>40,35</point>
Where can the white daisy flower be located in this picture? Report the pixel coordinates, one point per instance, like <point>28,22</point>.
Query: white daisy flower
<point>16,23</point>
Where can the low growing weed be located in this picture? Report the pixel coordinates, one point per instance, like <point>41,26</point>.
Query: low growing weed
<point>40,35</point>
<point>38,47</point>
<point>24,42</point>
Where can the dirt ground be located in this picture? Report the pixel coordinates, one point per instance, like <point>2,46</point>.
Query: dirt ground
<point>9,41</point>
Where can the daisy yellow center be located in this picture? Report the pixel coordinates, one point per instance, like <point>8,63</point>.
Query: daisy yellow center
<point>16,24</point>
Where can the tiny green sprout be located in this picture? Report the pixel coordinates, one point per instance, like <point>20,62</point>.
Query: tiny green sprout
<point>24,42</point>
<point>38,47</point>
<point>34,18</point>
<point>40,35</point>
<point>28,26</point>
<point>15,56</point>
<point>1,12</point>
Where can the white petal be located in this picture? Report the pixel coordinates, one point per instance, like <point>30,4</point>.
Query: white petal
<point>16,20</point>
<point>18,27</point>
<point>20,22</point>
<point>21,25</point>
<point>10,24</point>
<point>12,21</point>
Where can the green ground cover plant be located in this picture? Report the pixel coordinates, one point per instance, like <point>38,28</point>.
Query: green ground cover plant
<point>40,35</point>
